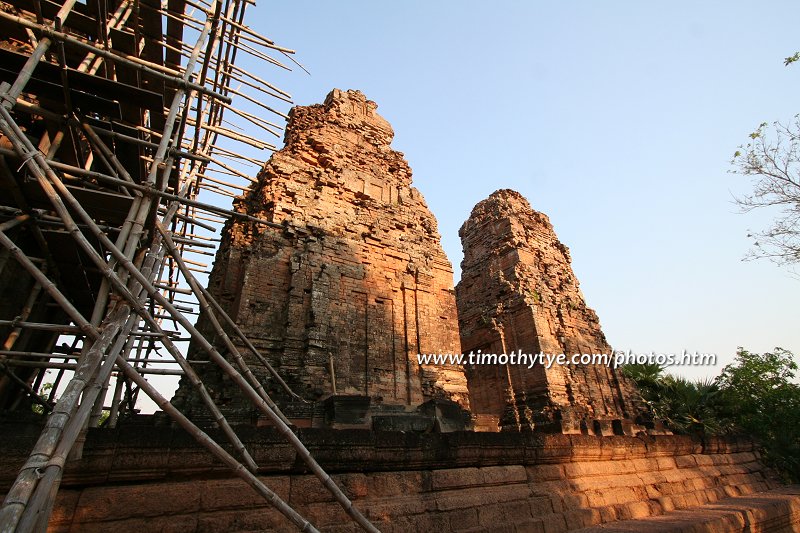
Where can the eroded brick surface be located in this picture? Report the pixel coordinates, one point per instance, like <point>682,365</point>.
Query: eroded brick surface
<point>518,293</point>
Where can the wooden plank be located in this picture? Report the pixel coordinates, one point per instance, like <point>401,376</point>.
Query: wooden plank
<point>78,18</point>
<point>52,93</point>
<point>109,90</point>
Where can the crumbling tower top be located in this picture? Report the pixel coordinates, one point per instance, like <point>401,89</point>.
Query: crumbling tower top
<point>354,284</point>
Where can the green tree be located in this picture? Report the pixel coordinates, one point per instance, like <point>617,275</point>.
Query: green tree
<point>765,402</point>
<point>757,395</point>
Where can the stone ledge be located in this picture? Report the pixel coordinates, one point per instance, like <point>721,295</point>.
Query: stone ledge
<point>776,511</point>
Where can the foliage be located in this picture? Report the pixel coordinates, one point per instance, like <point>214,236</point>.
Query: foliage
<point>37,408</point>
<point>647,376</point>
<point>756,394</point>
<point>689,407</point>
<point>767,401</point>
<point>693,407</point>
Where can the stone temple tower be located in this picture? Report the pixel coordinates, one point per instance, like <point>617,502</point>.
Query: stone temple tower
<point>349,289</point>
<point>518,293</point>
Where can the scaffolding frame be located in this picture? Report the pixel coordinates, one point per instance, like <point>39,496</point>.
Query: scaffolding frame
<point>110,116</point>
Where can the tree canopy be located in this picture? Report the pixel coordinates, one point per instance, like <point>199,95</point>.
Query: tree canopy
<point>756,394</point>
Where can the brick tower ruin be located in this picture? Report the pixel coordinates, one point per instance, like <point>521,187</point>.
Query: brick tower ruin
<point>352,284</point>
<point>518,293</point>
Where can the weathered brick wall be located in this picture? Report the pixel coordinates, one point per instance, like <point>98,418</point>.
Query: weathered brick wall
<point>149,479</point>
<point>354,285</point>
<point>518,293</point>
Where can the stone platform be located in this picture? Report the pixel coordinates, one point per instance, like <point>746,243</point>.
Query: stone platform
<point>145,478</point>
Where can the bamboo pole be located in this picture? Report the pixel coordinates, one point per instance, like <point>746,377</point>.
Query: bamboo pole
<point>206,308</point>
<point>259,80</point>
<point>58,328</point>
<point>46,405</point>
<point>24,314</point>
<point>260,88</point>
<point>116,400</point>
<point>258,54</point>
<point>73,366</point>
<point>217,190</point>
<point>225,183</point>
<point>253,119</point>
<point>247,139</point>
<point>258,103</point>
<point>194,221</point>
<point>14,222</point>
<point>258,163</point>
<point>151,191</point>
<point>38,355</point>
<point>220,453</point>
<point>16,501</point>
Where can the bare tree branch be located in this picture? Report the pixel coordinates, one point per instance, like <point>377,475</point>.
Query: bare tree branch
<point>772,160</point>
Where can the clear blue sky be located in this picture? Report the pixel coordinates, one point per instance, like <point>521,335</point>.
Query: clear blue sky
<point>616,119</point>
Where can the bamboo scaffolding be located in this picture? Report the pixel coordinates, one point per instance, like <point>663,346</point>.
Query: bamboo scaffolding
<point>154,69</point>
<point>17,498</point>
<point>11,131</point>
<point>51,183</point>
<point>142,281</point>
<point>238,379</point>
<point>145,266</point>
